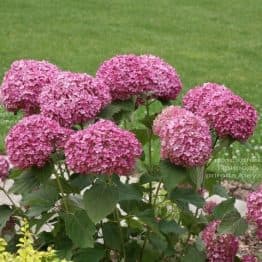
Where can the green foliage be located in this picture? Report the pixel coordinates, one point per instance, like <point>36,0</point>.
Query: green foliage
<point>26,251</point>
<point>80,228</point>
<point>100,200</point>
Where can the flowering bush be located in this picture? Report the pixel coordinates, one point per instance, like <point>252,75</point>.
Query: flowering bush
<point>120,180</point>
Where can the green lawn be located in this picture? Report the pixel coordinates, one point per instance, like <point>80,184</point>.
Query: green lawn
<point>205,40</point>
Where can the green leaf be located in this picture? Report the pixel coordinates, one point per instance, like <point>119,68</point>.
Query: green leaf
<point>223,208</point>
<point>80,181</point>
<point>111,235</point>
<point>129,192</point>
<point>219,190</point>
<point>5,213</point>
<point>133,251</point>
<point>158,242</point>
<point>141,135</point>
<point>25,183</point>
<point>42,199</point>
<point>80,228</point>
<point>233,223</point>
<point>172,175</point>
<point>186,196</point>
<point>148,217</point>
<point>168,227</point>
<point>109,111</point>
<point>192,254</point>
<point>100,201</point>
<point>89,254</point>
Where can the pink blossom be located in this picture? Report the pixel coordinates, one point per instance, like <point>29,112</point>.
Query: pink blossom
<point>23,83</point>
<point>74,98</point>
<point>129,75</point>
<point>4,167</point>
<point>227,113</point>
<point>209,207</point>
<point>219,248</point>
<point>163,118</point>
<point>254,210</point>
<point>31,141</point>
<point>162,79</point>
<point>102,148</point>
<point>185,138</point>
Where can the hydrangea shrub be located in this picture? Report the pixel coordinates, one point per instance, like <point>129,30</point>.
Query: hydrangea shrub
<point>108,169</point>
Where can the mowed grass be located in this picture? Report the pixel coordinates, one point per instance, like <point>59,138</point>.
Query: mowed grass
<point>204,40</point>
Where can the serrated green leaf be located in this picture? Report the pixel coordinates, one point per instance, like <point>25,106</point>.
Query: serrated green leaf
<point>100,201</point>
<point>172,175</point>
<point>186,196</point>
<point>171,227</point>
<point>41,200</point>
<point>192,254</point>
<point>223,208</point>
<point>111,235</point>
<point>233,223</point>
<point>25,183</point>
<point>129,192</point>
<point>79,228</point>
<point>158,242</point>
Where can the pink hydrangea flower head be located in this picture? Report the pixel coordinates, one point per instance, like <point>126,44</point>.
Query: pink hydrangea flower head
<point>226,112</point>
<point>74,98</point>
<point>4,167</point>
<point>236,118</point>
<point>219,247</point>
<point>123,74</point>
<point>254,209</point>
<point>249,258</point>
<point>209,207</point>
<point>129,75</point>
<point>31,141</point>
<point>162,79</point>
<point>102,148</point>
<point>23,83</point>
<point>167,114</point>
<point>195,96</point>
<point>185,138</point>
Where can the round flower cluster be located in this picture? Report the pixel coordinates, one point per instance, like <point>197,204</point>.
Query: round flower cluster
<point>162,79</point>
<point>74,98</point>
<point>254,209</point>
<point>226,112</point>
<point>194,97</point>
<point>219,247</point>
<point>32,140</point>
<point>163,118</point>
<point>23,83</point>
<point>185,137</point>
<point>209,207</point>
<point>4,167</point>
<point>128,75</point>
<point>249,258</point>
<point>102,148</point>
